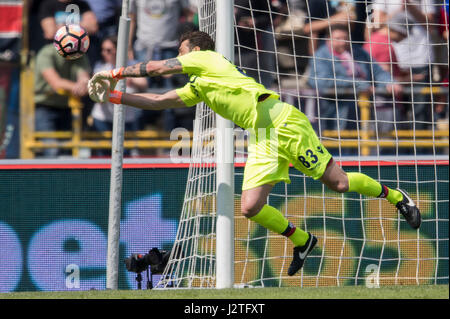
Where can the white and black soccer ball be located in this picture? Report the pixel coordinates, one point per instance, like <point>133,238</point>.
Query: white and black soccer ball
<point>71,41</point>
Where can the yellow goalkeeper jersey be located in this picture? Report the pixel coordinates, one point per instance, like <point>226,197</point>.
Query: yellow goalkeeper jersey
<point>222,86</point>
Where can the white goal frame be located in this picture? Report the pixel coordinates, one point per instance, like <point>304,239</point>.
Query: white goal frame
<point>225,160</point>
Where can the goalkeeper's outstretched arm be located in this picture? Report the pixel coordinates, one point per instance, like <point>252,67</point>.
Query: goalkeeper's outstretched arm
<point>143,69</point>
<point>153,68</point>
<point>101,86</point>
<point>148,101</point>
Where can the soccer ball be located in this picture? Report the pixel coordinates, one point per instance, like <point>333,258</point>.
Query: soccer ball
<point>71,41</point>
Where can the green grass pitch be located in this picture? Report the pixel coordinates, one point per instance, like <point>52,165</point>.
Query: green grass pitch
<point>357,292</point>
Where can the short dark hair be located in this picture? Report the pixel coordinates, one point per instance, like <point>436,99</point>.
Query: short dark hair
<point>198,38</point>
<point>111,38</point>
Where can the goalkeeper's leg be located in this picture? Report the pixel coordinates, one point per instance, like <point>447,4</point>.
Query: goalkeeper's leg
<point>254,207</point>
<point>338,180</point>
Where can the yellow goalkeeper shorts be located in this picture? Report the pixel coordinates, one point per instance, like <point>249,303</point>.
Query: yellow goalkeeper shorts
<point>290,139</point>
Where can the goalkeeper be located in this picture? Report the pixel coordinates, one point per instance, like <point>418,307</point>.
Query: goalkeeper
<point>283,134</point>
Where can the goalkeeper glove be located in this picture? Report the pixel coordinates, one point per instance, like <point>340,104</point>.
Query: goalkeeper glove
<point>101,86</point>
<point>115,97</point>
<point>100,92</point>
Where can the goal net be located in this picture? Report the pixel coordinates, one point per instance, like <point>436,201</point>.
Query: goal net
<point>338,62</point>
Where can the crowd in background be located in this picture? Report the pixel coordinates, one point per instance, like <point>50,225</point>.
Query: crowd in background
<point>154,31</point>
<point>323,46</point>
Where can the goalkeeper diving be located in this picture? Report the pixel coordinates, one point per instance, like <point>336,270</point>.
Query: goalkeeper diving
<point>235,96</point>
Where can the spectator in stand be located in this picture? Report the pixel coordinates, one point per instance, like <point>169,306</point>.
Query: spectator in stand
<point>336,66</point>
<point>107,13</point>
<point>381,48</point>
<point>292,51</point>
<point>251,17</point>
<point>322,15</point>
<point>443,19</point>
<point>55,79</point>
<point>381,44</point>
<point>415,53</point>
<point>442,45</point>
<point>154,30</point>
<point>103,113</point>
<point>441,101</point>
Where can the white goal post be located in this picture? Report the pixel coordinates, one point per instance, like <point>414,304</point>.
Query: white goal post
<point>225,160</point>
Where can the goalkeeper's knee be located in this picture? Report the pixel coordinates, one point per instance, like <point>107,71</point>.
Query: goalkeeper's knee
<point>250,209</point>
<point>339,185</point>
<point>335,178</point>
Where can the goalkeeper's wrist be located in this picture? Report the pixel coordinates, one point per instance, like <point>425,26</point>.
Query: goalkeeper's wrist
<point>117,74</point>
<point>115,97</point>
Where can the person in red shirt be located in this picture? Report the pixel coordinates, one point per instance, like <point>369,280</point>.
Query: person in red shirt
<point>379,46</point>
